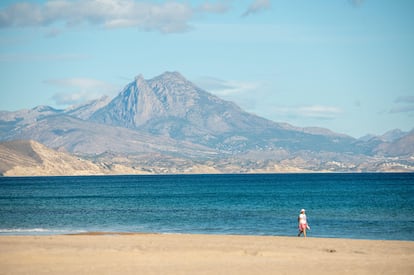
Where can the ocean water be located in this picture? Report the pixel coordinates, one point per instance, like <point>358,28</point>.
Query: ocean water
<point>361,206</point>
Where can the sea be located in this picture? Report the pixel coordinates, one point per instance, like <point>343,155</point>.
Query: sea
<point>377,206</point>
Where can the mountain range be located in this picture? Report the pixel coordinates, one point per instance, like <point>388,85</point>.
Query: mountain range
<point>169,125</point>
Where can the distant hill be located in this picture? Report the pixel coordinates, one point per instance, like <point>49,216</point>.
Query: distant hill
<point>30,158</point>
<point>401,145</point>
<point>169,125</point>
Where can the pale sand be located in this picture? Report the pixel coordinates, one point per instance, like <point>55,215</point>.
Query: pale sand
<point>201,254</point>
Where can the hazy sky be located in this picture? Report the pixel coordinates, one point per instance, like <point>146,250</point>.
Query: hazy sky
<point>340,64</point>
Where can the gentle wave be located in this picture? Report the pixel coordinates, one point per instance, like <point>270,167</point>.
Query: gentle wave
<point>7,230</point>
<point>36,231</point>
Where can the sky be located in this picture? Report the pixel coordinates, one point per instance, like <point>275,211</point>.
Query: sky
<point>345,65</point>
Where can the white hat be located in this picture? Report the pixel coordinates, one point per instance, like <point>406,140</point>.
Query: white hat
<point>303,210</point>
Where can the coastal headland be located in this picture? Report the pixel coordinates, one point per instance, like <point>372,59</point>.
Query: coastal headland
<point>139,253</point>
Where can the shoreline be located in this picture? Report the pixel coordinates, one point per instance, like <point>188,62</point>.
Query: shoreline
<point>132,233</point>
<point>150,253</point>
<point>39,232</point>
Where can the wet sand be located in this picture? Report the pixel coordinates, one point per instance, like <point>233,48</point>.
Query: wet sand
<point>103,253</point>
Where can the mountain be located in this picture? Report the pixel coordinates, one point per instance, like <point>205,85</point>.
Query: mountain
<point>169,125</point>
<point>30,158</point>
<point>169,105</point>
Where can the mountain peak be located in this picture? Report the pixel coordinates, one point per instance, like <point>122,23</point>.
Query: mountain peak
<point>171,77</point>
<point>134,106</point>
<point>139,78</point>
<point>174,74</point>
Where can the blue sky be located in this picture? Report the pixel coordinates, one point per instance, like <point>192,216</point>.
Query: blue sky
<point>346,65</point>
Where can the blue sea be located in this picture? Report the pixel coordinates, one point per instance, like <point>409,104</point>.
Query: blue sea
<point>361,206</point>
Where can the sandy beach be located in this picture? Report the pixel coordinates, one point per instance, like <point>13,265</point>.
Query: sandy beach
<point>98,253</point>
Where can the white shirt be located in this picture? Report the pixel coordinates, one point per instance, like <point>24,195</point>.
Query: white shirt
<point>302,218</point>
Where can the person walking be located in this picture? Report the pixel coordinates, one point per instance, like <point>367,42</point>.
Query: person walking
<point>302,223</point>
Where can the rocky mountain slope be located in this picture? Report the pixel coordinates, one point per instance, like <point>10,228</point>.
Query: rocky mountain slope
<point>30,158</point>
<point>169,125</point>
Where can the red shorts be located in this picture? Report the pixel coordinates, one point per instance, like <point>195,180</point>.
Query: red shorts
<point>302,226</point>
